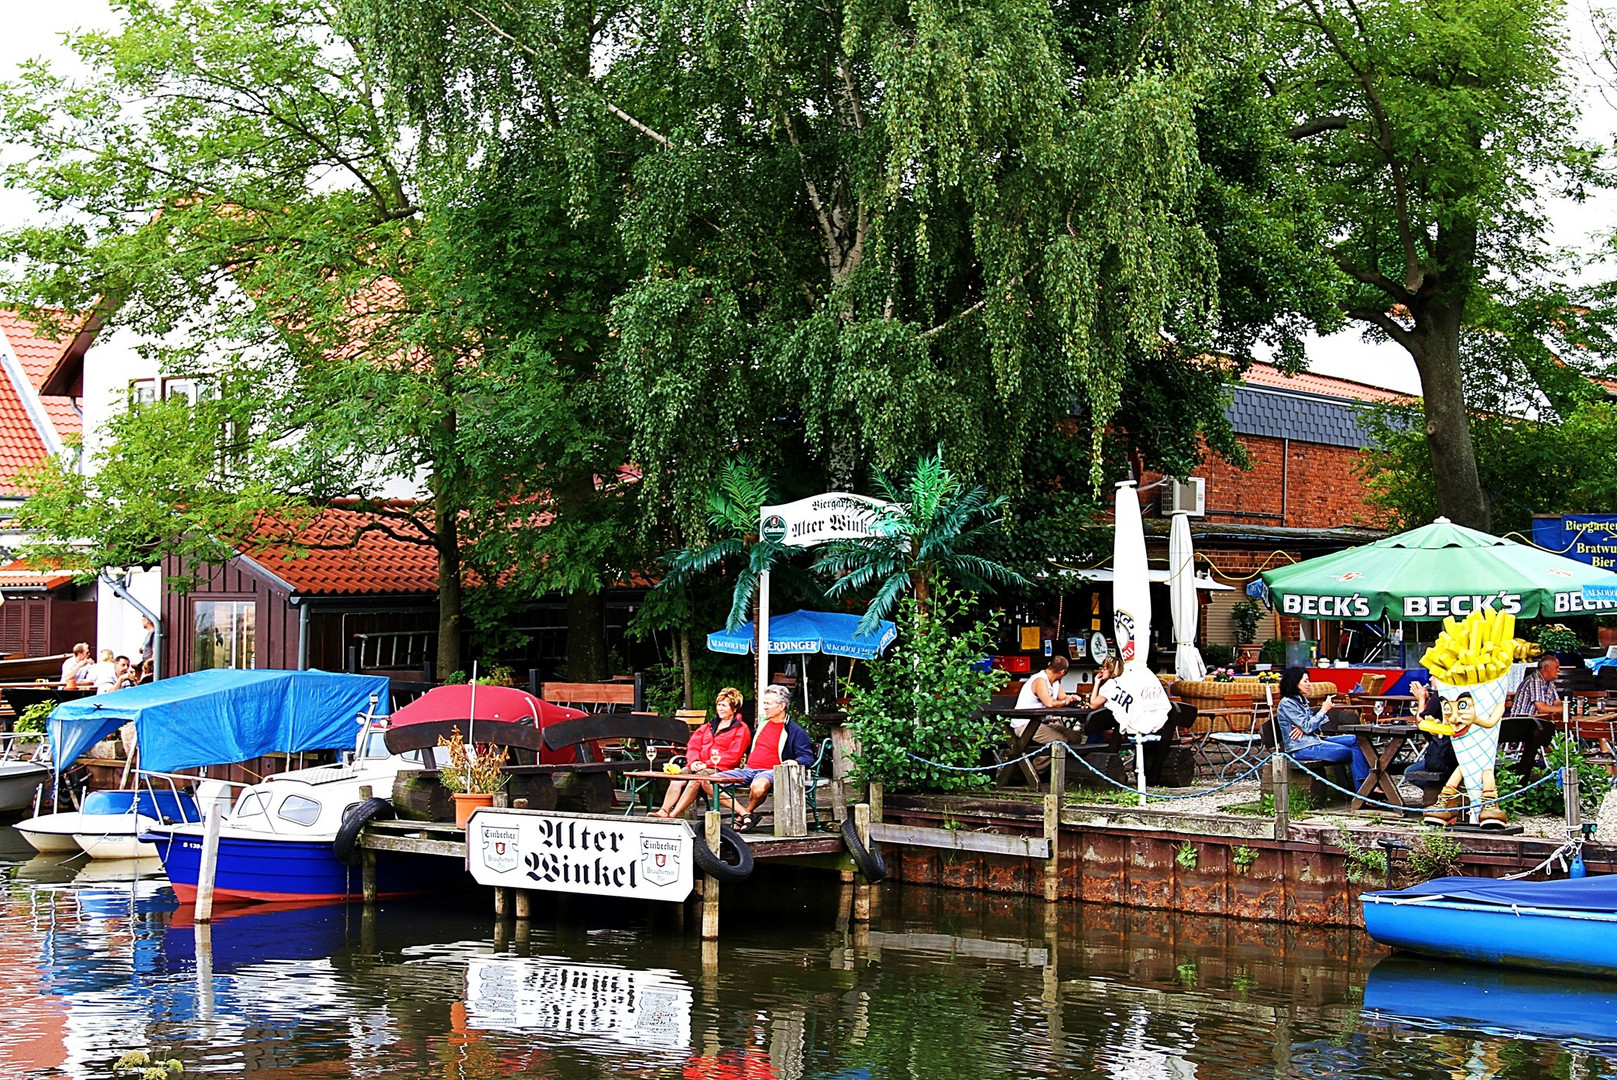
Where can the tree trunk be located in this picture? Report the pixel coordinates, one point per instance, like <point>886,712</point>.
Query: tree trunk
<point>586,636</point>
<point>685,666</point>
<point>446,523</point>
<point>1448,427</point>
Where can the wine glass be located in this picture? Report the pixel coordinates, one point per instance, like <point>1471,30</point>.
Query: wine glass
<point>1379,706</point>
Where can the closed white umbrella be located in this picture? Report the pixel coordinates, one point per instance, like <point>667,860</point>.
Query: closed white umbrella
<point>1187,659</point>
<point>1136,697</point>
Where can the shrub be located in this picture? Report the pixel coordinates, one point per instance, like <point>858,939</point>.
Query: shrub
<point>1557,638</point>
<point>1217,656</point>
<point>1547,800</point>
<point>1273,652</point>
<point>33,718</point>
<point>1246,616</point>
<point>924,698</point>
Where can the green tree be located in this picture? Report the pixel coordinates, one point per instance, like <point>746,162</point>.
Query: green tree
<point>237,186</point>
<point>1426,133</point>
<point>858,229</point>
<point>921,538</point>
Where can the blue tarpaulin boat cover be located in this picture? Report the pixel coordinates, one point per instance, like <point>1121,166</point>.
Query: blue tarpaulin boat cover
<point>1593,894</point>
<point>221,716</point>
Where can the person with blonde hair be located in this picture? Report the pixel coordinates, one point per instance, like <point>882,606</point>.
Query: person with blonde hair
<point>717,745</point>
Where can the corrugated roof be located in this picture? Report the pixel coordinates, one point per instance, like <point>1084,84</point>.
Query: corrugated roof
<point>345,552</point>
<point>18,574</point>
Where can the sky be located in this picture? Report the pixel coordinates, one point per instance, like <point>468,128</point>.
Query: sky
<point>36,30</point>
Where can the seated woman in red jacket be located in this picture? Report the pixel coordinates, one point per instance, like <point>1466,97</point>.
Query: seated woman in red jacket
<point>717,745</point>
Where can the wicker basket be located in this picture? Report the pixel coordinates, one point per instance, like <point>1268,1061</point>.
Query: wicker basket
<point>1207,694</point>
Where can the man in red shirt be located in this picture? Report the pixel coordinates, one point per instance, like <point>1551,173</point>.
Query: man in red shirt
<point>777,739</point>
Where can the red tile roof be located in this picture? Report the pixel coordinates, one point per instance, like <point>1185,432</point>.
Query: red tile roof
<point>1260,374</point>
<point>20,443</point>
<point>330,555</point>
<point>18,574</point>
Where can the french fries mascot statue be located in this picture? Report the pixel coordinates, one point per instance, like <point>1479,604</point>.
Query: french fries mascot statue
<point>1469,665</point>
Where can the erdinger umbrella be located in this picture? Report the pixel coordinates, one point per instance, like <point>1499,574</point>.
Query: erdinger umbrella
<point>1435,571</point>
<point>1187,659</point>
<point>831,633</point>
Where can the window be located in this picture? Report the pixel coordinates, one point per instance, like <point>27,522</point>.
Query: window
<point>299,809</point>
<point>252,804</point>
<point>224,634</point>
<point>142,391</point>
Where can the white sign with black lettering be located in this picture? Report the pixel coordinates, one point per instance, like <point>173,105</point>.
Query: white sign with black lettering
<point>649,1010</point>
<point>580,853</point>
<point>836,515</point>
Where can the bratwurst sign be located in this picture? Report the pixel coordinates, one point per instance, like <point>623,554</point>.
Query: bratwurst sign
<point>580,853</point>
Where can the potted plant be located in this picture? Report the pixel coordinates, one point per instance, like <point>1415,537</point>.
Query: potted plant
<point>473,776</point>
<point>1246,615</point>
<point>1560,639</point>
<point>1606,629</point>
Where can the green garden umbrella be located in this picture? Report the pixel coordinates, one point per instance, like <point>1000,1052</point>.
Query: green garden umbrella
<point>1437,570</point>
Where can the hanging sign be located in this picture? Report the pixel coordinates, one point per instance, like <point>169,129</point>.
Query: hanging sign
<point>819,519</point>
<point>1589,538</point>
<point>580,853</point>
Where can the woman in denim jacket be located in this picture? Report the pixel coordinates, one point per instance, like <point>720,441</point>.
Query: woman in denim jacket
<point>1300,727</point>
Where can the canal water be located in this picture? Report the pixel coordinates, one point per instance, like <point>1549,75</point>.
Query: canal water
<point>98,960</point>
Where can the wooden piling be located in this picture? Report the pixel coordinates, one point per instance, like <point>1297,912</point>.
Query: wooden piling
<point>791,799</point>
<point>367,875</point>
<point>524,903</point>
<point>710,886</point>
<point>502,895</point>
<point>1052,820</point>
<point>1282,789</point>
<point>861,891</point>
<point>209,869</point>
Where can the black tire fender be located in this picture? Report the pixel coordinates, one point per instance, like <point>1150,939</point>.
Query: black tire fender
<point>867,860</point>
<point>713,865</point>
<point>346,843</point>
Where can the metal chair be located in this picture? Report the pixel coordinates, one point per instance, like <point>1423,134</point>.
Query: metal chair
<point>1243,747</point>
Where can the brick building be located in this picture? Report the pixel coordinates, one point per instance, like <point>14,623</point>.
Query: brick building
<point>1302,496</point>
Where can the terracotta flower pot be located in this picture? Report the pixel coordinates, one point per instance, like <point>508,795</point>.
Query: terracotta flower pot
<point>467,801</point>
<point>1606,635</point>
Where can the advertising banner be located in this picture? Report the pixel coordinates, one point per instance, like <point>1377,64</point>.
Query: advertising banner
<point>580,853</point>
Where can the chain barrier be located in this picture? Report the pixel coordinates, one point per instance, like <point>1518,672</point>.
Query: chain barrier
<point>1201,793</point>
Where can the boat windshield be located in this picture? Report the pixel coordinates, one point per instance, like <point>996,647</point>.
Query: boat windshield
<point>251,804</point>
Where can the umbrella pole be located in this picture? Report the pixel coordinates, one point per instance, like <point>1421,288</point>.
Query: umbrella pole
<point>1139,766</point>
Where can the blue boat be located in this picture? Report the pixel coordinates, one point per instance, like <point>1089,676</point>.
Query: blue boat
<point>1440,996</point>
<point>1567,926</point>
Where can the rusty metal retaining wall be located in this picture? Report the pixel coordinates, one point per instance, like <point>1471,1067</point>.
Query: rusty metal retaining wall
<point>1169,863</point>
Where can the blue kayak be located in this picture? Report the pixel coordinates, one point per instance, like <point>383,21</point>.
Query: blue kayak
<point>1565,926</point>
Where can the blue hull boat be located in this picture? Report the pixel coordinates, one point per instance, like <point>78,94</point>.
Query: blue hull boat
<point>1563,926</point>
<point>1446,997</point>
<point>282,870</point>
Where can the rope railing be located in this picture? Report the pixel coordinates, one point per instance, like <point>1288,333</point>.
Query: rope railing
<point>1202,793</point>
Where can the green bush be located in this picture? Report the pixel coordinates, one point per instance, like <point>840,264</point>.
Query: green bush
<point>1547,800</point>
<point>1273,653</point>
<point>1557,638</point>
<point>1246,615</point>
<point>1218,656</point>
<point>924,698</point>
<point>32,720</point>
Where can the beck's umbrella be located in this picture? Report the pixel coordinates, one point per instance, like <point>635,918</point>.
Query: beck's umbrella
<point>828,632</point>
<point>1187,659</point>
<point>1139,703</point>
<point>1435,571</point>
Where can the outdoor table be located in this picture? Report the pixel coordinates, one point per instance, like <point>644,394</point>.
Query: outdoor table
<point>1393,705</point>
<point>1395,736</point>
<point>1022,741</point>
<point>658,774</point>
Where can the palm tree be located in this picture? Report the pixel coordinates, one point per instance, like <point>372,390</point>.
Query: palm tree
<point>922,536</point>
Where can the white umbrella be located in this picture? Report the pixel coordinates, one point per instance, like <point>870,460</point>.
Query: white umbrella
<point>1135,697</point>
<point>1187,659</point>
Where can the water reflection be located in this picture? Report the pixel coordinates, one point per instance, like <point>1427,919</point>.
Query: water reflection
<point>939,986</point>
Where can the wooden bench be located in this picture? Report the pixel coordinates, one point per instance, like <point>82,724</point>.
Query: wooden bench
<point>596,780</point>
<point>595,697</point>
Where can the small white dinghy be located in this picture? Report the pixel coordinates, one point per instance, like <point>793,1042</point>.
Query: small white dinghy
<point>110,823</point>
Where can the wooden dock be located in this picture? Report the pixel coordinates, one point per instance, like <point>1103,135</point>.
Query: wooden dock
<point>443,838</point>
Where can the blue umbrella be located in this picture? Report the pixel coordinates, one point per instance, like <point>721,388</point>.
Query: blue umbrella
<point>831,633</point>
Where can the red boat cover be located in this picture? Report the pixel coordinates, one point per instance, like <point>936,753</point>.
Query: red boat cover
<point>505,716</point>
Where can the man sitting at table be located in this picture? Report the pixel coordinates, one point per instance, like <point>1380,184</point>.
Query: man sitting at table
<point>778,739</point>
<point>1043,691</point>
<point>1538,703</point>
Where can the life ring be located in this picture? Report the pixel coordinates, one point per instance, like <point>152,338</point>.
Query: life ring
<point>713,865</point>
<point>868,861</point>
<point>346,843</point>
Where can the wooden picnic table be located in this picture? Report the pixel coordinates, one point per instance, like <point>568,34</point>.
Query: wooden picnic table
<point>1393,737</point>
<point>1022,741</point>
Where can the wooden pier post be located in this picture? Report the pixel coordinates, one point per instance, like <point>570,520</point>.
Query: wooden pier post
<point>1282,787</point>
<point>209,869</point>
<point>502,895</point>
<point>367,861</point>
<point>710,885</point>
<point>203,933</point>
<point>1052,820</point>
<point>524,903</point>
<point>861,891</point>
<point>791,799</point>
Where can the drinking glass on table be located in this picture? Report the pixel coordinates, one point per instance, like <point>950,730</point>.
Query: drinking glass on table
<point>1380,707</point>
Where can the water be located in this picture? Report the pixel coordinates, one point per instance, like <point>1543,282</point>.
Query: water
<point>99,960</point>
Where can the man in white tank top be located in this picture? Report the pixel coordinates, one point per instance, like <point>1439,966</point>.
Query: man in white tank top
<point>1043,690</point>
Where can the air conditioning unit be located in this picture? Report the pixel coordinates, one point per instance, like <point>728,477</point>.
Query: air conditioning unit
<point>1189,495</point>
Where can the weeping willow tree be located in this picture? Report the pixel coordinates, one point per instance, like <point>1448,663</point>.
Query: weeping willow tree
<point>858,230</point>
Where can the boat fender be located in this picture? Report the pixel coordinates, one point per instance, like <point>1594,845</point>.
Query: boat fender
<point>346,845</point>
<point>866,860</point>
<point>714,866</point>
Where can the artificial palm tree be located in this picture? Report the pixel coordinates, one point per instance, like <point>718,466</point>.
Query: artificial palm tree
<point>925,534</point>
